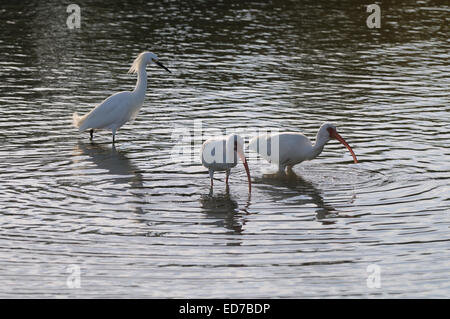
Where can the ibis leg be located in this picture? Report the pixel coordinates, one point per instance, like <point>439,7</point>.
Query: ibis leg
<point>289,170</point>
<point>211,176</point>
<point>281,170</point>
<point>91,132</point>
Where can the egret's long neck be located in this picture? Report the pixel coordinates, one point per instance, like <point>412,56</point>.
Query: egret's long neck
<point>141,84</point>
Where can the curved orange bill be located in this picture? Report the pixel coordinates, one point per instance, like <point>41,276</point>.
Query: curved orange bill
<point>341,139</point>
<point>244,161</point>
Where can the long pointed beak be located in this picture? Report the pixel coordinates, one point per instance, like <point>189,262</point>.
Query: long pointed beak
<point>161,65</point>
<point>341,139</point>
<point>244,161</point>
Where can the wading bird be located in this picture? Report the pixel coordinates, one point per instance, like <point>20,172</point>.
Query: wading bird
<point>289,149</point>
<point>121,107</point>
<point>220,154</point>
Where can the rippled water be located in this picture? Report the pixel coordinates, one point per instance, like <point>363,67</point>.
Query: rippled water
<point>140,222</point>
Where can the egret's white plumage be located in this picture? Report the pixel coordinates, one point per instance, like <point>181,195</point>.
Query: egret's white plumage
<point>220,154</point>
<point>120,107</point>
<point>289,149</point>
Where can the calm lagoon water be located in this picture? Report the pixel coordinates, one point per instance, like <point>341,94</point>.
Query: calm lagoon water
<point>138,221</point>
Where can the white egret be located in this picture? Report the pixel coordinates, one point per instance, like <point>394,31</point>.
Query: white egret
<point>220,154</point>
<point>289,149</point>
<point>120,107</point>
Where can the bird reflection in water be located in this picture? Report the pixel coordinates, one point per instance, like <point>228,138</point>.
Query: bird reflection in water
<point>119,168</point>
<point>225,209</point>
<point>300,186</point>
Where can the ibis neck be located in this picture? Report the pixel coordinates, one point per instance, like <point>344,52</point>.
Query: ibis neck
<point>230,153</point>
<point>317,148</point>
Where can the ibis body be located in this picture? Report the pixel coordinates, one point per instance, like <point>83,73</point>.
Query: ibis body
<point>221,154</point>
<point>288,149</point>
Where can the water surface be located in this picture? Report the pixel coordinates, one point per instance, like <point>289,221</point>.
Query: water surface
<point>140,222</point>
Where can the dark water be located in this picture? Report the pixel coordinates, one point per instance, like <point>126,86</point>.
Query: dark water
<point>139,221</point>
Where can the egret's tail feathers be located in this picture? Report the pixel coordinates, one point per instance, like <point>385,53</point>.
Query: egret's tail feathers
<point>78,120</point>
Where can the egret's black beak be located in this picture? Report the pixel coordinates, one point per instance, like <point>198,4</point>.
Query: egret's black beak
<point>161,65</point>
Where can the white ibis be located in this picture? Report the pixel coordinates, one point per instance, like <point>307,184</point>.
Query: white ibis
<point>220,154</point>
<point>289,149</point>
<point>120,107</point>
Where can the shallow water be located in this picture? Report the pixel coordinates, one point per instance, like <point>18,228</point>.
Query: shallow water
<point>139,221</point>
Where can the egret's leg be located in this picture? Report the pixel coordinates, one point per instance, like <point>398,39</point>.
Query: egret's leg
<point>91,132</point>
<point>114,136</point>
<point>227,176</point>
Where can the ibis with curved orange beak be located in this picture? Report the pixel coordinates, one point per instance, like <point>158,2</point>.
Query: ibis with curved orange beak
<point>220,154</point>
<point>289,149</point>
